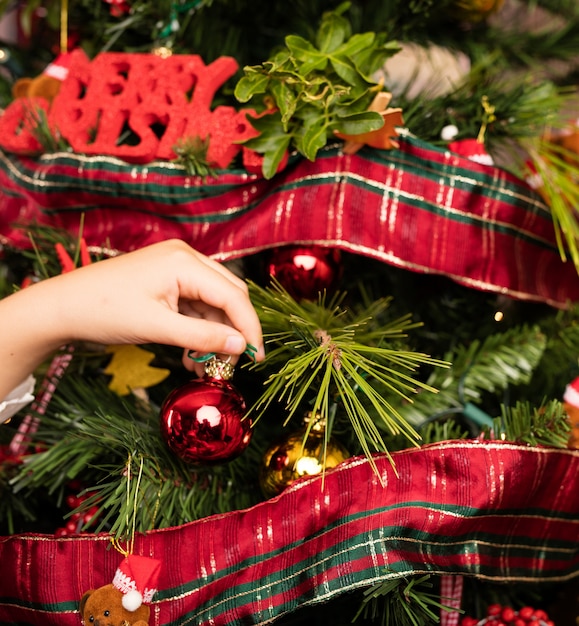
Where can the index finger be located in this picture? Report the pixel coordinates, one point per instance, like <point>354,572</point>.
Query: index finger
<point>222,290</point>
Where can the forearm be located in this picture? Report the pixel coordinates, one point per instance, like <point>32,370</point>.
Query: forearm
<point>28,335</point>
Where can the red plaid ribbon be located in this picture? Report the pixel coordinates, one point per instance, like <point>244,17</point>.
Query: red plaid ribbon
<point>492,510</point>
<point>419,207</point>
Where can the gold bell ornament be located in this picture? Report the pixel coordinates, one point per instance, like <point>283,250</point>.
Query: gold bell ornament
<point>300,454</point>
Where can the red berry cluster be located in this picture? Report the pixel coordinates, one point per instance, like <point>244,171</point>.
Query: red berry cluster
<point>498,615</point>
<point>77,521</point>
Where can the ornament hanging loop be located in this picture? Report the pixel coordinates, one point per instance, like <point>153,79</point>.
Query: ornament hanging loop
<point>488,118</point>
<point>63,26</point>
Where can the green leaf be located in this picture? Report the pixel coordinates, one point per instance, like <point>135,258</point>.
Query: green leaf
<point>347,71</point>
<point>313,139</point>
<point>270,130</point>
<point>317,88</point>
<point>301,48</point>
<point>359,123</point>
<point>372,59</point>
<point>273,156</point>
<point>250,85</point>
<point>356,43</point>
<point>310,58</point>
<point>272,142</point>
<point>317,62</point>
<point>332,33</point>
<point>286,101</point>
<point>281,61</point>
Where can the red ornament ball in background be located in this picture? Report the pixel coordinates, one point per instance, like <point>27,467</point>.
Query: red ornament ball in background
<point>202,421</point>
<point>305,271</point>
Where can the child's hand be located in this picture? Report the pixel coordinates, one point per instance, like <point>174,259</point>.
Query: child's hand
<point>166,293</point>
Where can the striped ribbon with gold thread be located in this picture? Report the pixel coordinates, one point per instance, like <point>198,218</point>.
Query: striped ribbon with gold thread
<point>491,510</point>
<point>417,207</point>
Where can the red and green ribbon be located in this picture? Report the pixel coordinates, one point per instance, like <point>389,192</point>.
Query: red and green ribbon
<point>418,207</point>
<point>491,510</point>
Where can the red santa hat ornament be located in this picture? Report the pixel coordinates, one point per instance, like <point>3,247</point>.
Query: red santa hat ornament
<point>59,67</point>
<point>136,578</point>
<point>472,149</point>
<point>571,395</point>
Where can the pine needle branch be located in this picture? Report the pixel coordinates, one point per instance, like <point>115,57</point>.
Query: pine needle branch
<point>558,172</point>
<point>547,425</point>
<point>49,138</point>
<point>330,354</point>
<point>503,359</point>
<point>405,601</point>
<point>92,435</point>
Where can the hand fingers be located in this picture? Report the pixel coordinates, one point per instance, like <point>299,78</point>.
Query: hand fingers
<point>223,294</point>
<point>221,269</point>
<point>206,282</point>
<point>192,333</point>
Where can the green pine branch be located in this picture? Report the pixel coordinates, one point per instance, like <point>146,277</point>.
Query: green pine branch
<point>533,49</point>
<point>483,366</point>
<point>558,171</point>
<point>321,355</point>
<point>547,425</point>
<point>564,8</point>
<point>113,446</point>
<point>515,102</point>
<point>408,601</point>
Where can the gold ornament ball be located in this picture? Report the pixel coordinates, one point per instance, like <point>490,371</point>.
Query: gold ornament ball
<point>476,10</point>
<point>291,459</point>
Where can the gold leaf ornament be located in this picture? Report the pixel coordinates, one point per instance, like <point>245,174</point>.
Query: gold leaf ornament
<point>130,369</point>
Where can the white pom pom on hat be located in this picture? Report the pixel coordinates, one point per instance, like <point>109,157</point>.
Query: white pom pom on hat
<point>137,577</point>
<point>132,600</point>
<point>448,133</point>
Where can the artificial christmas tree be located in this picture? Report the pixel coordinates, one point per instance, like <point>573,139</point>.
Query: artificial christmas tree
<point>437,351</point>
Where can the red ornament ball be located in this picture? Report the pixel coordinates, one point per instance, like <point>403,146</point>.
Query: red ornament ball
<point>202,421</point>
<point>305,271</point>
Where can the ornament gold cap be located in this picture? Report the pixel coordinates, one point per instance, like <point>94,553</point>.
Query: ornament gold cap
<point>217,368</point>
<point>317,420</point>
